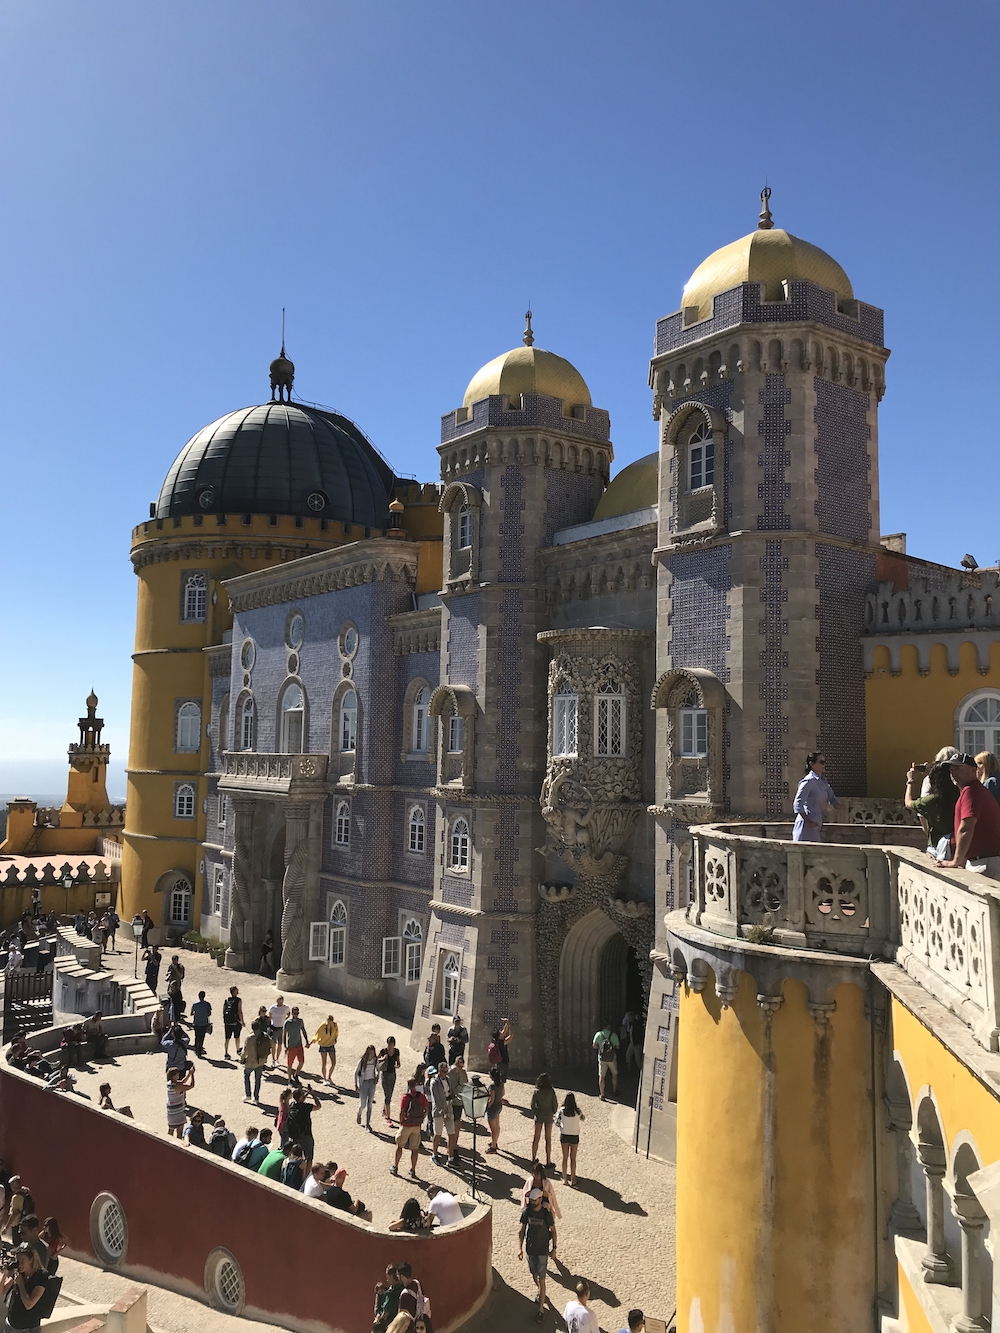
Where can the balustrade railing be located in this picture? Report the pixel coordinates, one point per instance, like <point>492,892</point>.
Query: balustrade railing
<point>258,769</point>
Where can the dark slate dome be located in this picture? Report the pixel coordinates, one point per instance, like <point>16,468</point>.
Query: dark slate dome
<point>280,458</point>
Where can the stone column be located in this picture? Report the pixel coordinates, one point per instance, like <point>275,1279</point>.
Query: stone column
<point>903,1214</point>
<point>972,1220</point>
<point>935,1263</point>
<point>292,973</point>
<point>240,951</point>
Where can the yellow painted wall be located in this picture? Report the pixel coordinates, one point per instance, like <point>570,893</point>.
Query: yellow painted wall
<point>913,1318</point>
<point>805,1261</point>
<point>910,716</point>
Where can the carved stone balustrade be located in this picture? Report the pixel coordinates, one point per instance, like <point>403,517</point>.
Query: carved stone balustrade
<point>833,895</point>
<point>301,776</point>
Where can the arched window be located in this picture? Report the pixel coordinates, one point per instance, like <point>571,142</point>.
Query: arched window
<point>694,731</point>
<point>464,527</point>
<point>195,597</point>
<point>184,797</point>
<point>189,726</point>
<point>180,902</point>
<point>348,721</point>
<point>247,724</point>
<point>979,725</point>
<point>609,720</point>
<point>449,984</point>
<point>338,934</point>
<point>456,733</point>
<point>342,824</point>
<point>415,838</point>
<point>413,943</point>
<point>223,743</point>
<point>292,718</point>
<point>564,707</point>
<point>218,886</point>
<point>701,458</point>
<point>458,858</point>
<point>421,721</point>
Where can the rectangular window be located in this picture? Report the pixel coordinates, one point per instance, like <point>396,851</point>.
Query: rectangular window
<point>218,885</point>
<point>694,732</point>
<point>318,940</point>
<point>180,906</point>
<point>456,734</point>
<point>610,725</point>
<point>564,724</point>
<point>338,945</point>
<point>413,951</point>
<point>227,902</point>
<point>223,809</point>
<point>392,947</point>
<point>702,465</point>
<point>416,831</point>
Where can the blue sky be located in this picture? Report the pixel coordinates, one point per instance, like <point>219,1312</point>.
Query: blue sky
<point>403,177</point>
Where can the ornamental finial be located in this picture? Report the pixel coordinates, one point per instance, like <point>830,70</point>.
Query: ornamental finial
<point>529,337</point>
<point>766,222</point>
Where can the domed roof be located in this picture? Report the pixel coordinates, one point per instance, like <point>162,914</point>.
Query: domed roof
<point>635,487</point>
<point>280,458</point>
<point>529,369</point>
<point>768,255</point>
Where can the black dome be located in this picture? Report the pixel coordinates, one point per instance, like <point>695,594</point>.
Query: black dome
<point>280,458</point>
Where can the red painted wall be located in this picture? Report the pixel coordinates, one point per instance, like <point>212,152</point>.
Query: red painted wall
<point>302,1261</point>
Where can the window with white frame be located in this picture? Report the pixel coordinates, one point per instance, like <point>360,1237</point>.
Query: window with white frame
<point>701,458</point>
<point>184,798</point>
<point>458,857</point>
<point>392,951</point>
<point>450,976</point>
<point>348,721</point>
<point>421,721</point>
<point>189,726</point>
<point>979,725</point>
<point>247,724</point>
<point>413,945</point>
<point>415,830</point>
<point>218,890</point>
<point>338,934</point>
<point>564,710</point>
<point>319,941</point>
<point>195,597</point>
<point>342,824</point>
<point>223,809</point>
<point>293,706</point>
<point>456,733</point>
<point>180,902</point>
<point>694,732</point>
<point>609,719</point>
<point>464,527</point>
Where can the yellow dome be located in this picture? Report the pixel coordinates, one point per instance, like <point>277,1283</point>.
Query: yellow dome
<point>528,369</point>
<point>769,256</point>
<point>635,487</point>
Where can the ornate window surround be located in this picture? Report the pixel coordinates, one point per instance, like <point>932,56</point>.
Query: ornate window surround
<point>246,707</point>
<point>183,707</point>
<point>342,824</point>
<point>425,755</point>
<point>460,568</point>
<point>691,781</point>
<point>185,800</point>
<point>345,762</point>
<point>416,829</point>
<point>194,607</point>
<point>974,697</point>
<point>454,768</point>
<point>288,684</point>
<point>454,848</point>
<point>684,512</point>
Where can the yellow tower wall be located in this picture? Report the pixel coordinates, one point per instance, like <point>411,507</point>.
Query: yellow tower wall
<point>774,1164</point>
<point>910,716</point>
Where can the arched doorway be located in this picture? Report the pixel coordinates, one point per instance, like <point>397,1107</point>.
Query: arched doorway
<point>599,979</point>
<point>272,892</point>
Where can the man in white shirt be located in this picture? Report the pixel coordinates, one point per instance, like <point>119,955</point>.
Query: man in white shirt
<point>444,1206</point>
<point>279,1014</point>
<point>319,1178</point>
<point>580,1319</point>
<point>249,1137</point>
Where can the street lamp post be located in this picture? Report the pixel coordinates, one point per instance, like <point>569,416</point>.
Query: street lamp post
<point>137,935</point>
<point>67,885</point>
<point>475,1095</point>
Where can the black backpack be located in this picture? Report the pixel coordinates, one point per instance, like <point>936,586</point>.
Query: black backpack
<point>231,1010</point>
<point>242,1158</point>
<point>219,1142</point>
<point>607,1051</point>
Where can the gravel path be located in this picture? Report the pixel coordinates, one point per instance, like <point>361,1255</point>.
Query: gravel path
<point>617,1225</point>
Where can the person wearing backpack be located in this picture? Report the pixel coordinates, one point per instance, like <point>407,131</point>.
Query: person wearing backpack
<point>544,1104</point>
<point>412,1109</point>
<point>292,1173</point>
<point>606,1045</point>
<point>232,1019</point>
<point>221,1141</point>
<point>24,1289</point>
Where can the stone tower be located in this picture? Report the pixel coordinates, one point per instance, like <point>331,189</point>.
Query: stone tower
<point>525,455</point>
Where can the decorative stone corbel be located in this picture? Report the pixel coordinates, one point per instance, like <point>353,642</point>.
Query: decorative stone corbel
<point>821,1014</point>
<point>555,893</point>
<point>726,990</point>
<point>770,1004</point>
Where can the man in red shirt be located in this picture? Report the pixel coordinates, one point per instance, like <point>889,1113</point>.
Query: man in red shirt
<point>977,821</point>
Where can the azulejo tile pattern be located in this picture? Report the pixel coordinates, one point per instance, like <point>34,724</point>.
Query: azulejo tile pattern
<point>844,577</point>
<point>774,790</point>
<point>774,430</point>
<point>843,461</point>
<point>699,609</point>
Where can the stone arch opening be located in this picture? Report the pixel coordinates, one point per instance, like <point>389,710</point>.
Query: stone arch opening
<point>599,979</point>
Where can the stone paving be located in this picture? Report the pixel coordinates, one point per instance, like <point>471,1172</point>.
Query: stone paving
<point>617,1225</point>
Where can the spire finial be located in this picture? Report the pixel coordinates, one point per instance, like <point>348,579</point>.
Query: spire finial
<point>282,371</point>
<point>766,222</point>
<point>282,330</point>
<point>529,337</point>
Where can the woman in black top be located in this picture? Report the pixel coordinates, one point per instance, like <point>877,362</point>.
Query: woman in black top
<point>388,1068</point>
<point>28,1282</point>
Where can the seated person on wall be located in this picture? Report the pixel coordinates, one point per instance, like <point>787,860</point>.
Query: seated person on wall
<point>412,1218</point>
<point>337,1197</point>
<point>977,822</point>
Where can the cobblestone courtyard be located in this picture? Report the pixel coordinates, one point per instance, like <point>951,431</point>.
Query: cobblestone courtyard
<point>617,1225</point>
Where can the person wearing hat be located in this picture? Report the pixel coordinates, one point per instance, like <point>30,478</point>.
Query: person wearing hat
<point>538,1229</point>
<point>977,822</point>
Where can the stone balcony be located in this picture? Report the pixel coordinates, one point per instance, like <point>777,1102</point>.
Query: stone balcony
<point>254,773</point>
<point>869,892</point>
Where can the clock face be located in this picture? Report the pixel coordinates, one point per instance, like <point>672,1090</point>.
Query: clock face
<point>247,655</point>
<point>350,641</point>
<point>296,631</point>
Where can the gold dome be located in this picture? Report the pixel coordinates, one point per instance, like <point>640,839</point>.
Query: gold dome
<point>529,369</point>
<point>768,255</point>
<point>635,487</point>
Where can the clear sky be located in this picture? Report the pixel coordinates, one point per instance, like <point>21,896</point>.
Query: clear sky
<point>404,177</point>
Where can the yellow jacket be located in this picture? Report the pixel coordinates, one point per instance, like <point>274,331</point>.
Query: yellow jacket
<point>327,1034</point>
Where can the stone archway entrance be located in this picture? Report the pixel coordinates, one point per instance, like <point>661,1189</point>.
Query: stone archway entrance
<point>599,978</point>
